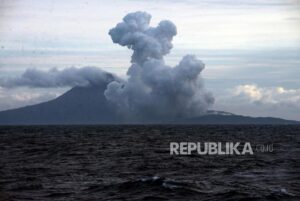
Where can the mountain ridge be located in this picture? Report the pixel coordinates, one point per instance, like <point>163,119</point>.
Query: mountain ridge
<point>87,105</point>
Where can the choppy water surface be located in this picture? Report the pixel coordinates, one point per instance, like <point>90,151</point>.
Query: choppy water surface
<point>133,163</point>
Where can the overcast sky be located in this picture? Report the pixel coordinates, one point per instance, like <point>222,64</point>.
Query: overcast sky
<point>251,48</point>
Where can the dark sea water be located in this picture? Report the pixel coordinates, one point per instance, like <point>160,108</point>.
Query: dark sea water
<point>134,163</point>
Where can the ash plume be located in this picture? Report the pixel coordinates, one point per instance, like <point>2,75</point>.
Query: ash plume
<point>68,77</point>
<point>155,90</point>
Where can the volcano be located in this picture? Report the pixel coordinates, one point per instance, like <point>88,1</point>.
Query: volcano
<point>87,105</point>
<point>80,105</point>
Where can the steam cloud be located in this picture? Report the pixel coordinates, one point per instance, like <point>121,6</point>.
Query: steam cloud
<point>69,77</point>
<point>153,91</point>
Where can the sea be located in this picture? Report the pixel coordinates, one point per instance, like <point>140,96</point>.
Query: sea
<point>133,163</point>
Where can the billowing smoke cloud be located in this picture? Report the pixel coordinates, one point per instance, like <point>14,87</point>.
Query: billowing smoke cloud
<point>68,77</point>
<point>147,42</point>
<point>155,90</point>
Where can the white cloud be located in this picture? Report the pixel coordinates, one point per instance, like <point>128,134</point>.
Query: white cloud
<point>250,91</point>
<point>269,95</point>
<point>253,100</point>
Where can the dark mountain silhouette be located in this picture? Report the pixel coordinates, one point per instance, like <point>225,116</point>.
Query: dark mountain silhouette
<point>87,105</point>
<point>220,117</point>
<point>80,105</point>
